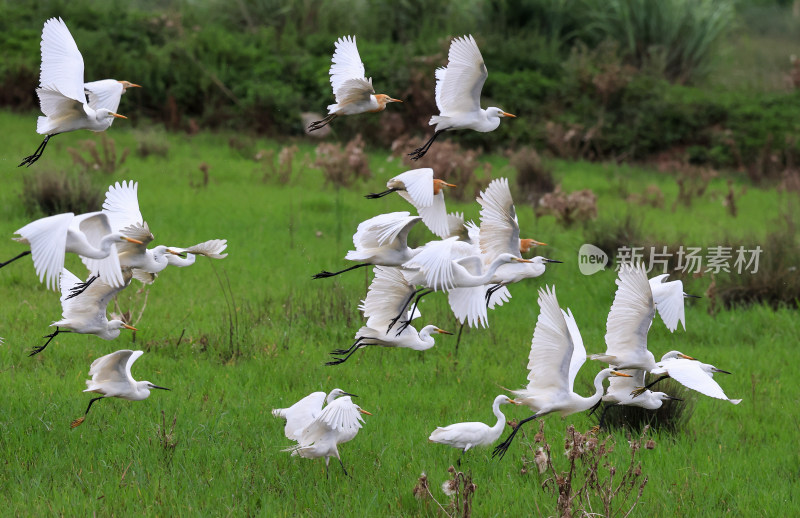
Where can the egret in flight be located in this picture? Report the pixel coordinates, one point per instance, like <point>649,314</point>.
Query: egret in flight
<point>690,373</point>
<point>557,353</point>
<point>338,423</point>
<point>668,298</point>
<point>111,377</point>
<point>302,413</point>
<point>62,92</point>
<point>468,435</point>
<point>354,92</point>
<point>458,94</point>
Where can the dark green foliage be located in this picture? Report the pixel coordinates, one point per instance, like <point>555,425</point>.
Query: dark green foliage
<point>54,192</point>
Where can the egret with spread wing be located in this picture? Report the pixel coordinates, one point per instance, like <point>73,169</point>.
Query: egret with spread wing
<point>302,413</point>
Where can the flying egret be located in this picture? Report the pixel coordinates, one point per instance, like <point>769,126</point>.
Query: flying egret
<point>620,390</point>
<point>88,235</point>
<point>302,413</point>
<point>338,423</point>
<point>690,373</point>
<point>86,314</point>
<point>668,298</point>
<point>353,91</point>
<point>381,240</point>
<point>212,249</point>
<point>387,296</point>
<point>111,377</point>
<point>557,353</point>
<point>468,435</point>
<point>419,188</point>
<point>62,92</point>
<point>458,94</point>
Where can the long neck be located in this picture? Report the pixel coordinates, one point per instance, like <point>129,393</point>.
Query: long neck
<point>426,340</point>
<point>501,419</point>
<point>598,389</point>
<point>489,273</point>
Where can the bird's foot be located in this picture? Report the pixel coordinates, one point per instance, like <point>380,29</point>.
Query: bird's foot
<point>417,153</point>
<point>404,325</point>
<point>501,449</point>
<point>638,391</point>
<point>28,160</point>
<point>37,350</point>
<point>80,287</point>
<point>336,361</point>
<point>323,275</point>
<point>77,422</point>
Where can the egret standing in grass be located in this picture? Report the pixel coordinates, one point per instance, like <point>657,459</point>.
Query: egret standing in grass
<point>458,94</point>
<point>62,92</point>
<point>302,413</point>
<point>111,377</point>
<point>338,423</point>
<point>468,435</point>
<point>557,353</point>
<point>354,92</point>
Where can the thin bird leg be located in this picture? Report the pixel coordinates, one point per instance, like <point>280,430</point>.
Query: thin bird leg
<point>406,323</point>
<point>458,340</point>
<point>38,153</point>
<point>458,461</point>
<point>81,287</point>
<point>321,123</point>
<point>408,301</point>
<point>355,344</point>
<point>602,421</point>
<point>327,472</point>
<point>79,421</point>
<point>595,407</point>
<point>503,446</point>
<point>491,291</point>
<point>339,361</point>
<point>37,350</point>
<point>376,195</point>
<point>324,274</point>
<point>23,254</point>
<point>342,465</point>
<point>420,151</point>
<point>638,391</point>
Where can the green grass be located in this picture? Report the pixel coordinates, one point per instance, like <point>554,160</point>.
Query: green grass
<point>738,460</point>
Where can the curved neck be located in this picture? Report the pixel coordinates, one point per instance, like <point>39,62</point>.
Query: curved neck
<point>598,389</point>
<point>487,276</point>
<point>426,340</point>
<point>501,419</point>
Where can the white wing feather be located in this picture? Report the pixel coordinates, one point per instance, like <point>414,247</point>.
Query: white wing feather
<point>340,416</point>
<point>458,87</point>
<point>668,298</point>
<point>62,63</point>
<point>690,374</point>
<point>346,65</point>
<point>122,205</point>
<point>579,351</point>
<point>112,372</point>
<point>631,313</point>
<point>104,94</point>
<point>383,229</point>
<point>386,297</point>
<point>301,414</point>
<point>47,238</point>
<point>499,230</point>
<point>550,358</point>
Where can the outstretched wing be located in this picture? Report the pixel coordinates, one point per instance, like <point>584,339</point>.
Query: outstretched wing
<point>341,416</point>
<point>631,313</point>
<point>668,298</point>
<point>383,229</point>
<point>386,297</point>
<point>499,230</point>
<point>104,94</point>
<point>122,205</point>
<point>62,63</point>
<point>348,77</point>
<point>579,351</point>
<point>435,260</point>
<point>212,248</point>
<point>112,372</point>
<point>301,414</point>
<point>93,302</point>
<point>47,238</point>
<point>552,347</point>
<point>458,87</point>
<point>95,226</point>
<point>690,374</point>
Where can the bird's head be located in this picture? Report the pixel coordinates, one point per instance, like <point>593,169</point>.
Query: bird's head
<point>128,84</point>
<point>147,386</point>
<point>526,244</point>
<point>674,355</point>
<point>439,184</point>
<point>119,324</point>
<point>662,396</point>
<point>497,112</point>
<point>383,99</point>
<point>505,400</point>
<point>337,392</point>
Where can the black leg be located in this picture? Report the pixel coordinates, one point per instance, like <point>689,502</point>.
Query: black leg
<point>491,291</point>
<point>23,254</point>
<point>602,421</point>
<point>420,151</point>
<point>321,123</point>
<point>342,465</point>
<point>79,421</point>
<point>640,390</point>
<point>400,315</point>
<point>502,448</point>
<point>595,407</point>
<point>324,274</point>
<point>37,350</point>
<point>406,323</point>
<point>376,195</point>
<point>80,287</point>
<point>28,160</point>
<point>339,361</point>
<point>355,344</point>
<point>458,461</point>
<point>458,340</point>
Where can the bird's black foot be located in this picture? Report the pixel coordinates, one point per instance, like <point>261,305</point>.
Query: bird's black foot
<point>403,326</point>
<point>321,123</point>
<point>323,275</point>
<point>28,160</point>
<point>80,287</point>
<point>336,361</point>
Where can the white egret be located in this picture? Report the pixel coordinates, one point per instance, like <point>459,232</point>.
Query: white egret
<point>690,373</point>
<point>381,240</point>
<point>468,435</point>
<point>212,249</point>
<point>387,296</point>
<point>86,314</point>
<point>111,377</point>
<point>419,188</point>
<point>557,353</point>
<point>620,393</point>
<point>668,298</point>
<point>88,235</point>
<point>458,94</point>
<point>338,423</point>
<point>354,92</point>
<point>302,413</point>
<point>61,90</point>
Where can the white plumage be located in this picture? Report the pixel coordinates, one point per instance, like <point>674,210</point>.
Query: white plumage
<point>465,436</point>
<point>302,413</point>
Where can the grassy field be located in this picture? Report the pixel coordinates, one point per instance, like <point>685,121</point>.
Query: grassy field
<point>236,338</point>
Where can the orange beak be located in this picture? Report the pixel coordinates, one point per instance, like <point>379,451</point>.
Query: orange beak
<point>126,326</point>
<point>685,357</point>
<point>618,373</point>
<point>442,331</point>
<point>131,240</point>
<point>117,115</point>
<point>363,411</point>
<point>508,114</point>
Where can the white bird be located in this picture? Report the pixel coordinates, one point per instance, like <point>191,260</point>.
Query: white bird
<point>86,314</point>
<point>354,92</point>
<point>338,423</point>
<point>468,435</point>
<point>88,235</point>
<point>690,373</point>
<point>458,94</point>
<point>419,188</point>
<point>620,392</point>
<point>302,413</point>
<point>557,353</point>
<point>387,296</point>
<point>62,93</point>
<point>668,298</point>
<point>107,93</point>
<point>212,249</point>
<point>111,377</point>
<point>629,321</point>
<point>381,241</point>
